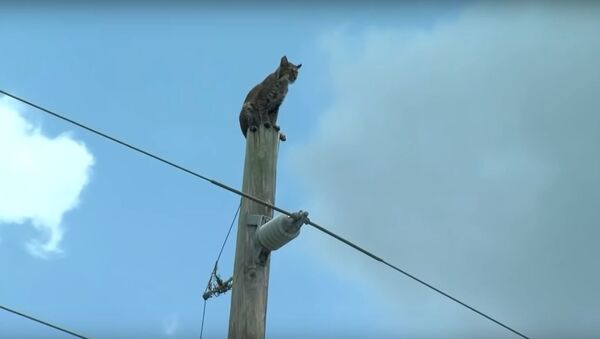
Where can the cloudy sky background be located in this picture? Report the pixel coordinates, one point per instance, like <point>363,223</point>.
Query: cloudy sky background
<point>456,141</point>
<point>472,147</point>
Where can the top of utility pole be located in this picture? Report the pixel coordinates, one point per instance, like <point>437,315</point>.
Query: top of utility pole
<point>247,318</point>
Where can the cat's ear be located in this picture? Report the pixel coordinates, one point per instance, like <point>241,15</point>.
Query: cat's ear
<point>299,65</point>
<point>284,61</point>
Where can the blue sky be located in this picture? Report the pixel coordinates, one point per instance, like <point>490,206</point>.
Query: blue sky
<point>140,244</point>
<point>139,248</point>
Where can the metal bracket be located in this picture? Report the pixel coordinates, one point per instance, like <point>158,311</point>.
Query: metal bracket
<point>261,254</point>
<point>256,220</point>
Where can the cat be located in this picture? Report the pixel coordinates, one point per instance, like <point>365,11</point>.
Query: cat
<point>261,105</point>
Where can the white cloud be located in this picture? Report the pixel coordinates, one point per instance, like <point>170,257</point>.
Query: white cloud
<point>468,154</point>
<point>41,178</point>
<point>171,325</point>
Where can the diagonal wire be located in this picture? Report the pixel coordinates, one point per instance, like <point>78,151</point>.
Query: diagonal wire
<point>217,262</point>
<point>373,256</point>
<point>228,232</point>
<point>214,271</point>
<point>269,205</point>
<point>146,153</point>
<point>203,313</point>
<point>43,322</point>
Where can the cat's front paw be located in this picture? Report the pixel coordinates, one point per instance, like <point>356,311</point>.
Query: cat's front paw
<point>277,128</point>
<point>253,128</point>
<point>282,137</point>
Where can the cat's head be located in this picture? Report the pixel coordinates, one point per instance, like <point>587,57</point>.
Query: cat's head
<point>288,70</point>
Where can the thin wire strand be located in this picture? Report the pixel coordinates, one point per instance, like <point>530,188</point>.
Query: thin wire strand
<point>43,322</point>
<point>373,256</point>
<point>203,313</point>
<point>155,157</point>
<point>214,271</point>
<point>455,300</point>
<point>269,205</point>
<point>228,232</point>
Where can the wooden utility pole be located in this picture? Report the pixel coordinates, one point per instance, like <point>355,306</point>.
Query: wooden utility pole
<point>247,317</point>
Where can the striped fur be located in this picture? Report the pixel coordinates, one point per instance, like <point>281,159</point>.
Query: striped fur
<point>262,103</point>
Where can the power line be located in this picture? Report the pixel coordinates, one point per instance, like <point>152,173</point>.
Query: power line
<point>269,205</point>
<point>43,322</point>
<point>373,256</point>
<point>155,157</point>
<point>228,232</point>
<point>214,271</point>
<point>203,313</point>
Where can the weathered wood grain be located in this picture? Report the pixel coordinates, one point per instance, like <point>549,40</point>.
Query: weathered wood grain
<point>247,317</point>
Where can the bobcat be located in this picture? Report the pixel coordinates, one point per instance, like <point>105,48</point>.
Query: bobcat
<point>261,105</point>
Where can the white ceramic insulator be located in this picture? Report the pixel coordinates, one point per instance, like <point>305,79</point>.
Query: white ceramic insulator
<point>274,234</point>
